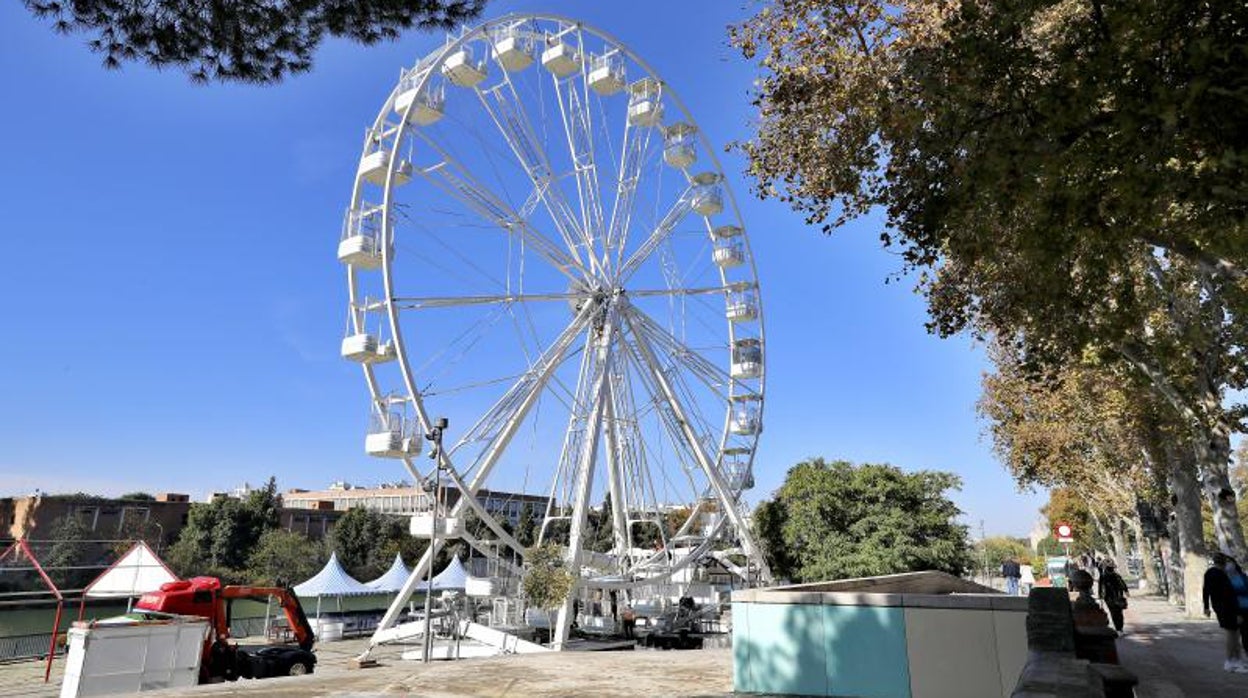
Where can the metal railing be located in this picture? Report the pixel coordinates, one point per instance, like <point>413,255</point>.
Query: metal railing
<point>19,647</point>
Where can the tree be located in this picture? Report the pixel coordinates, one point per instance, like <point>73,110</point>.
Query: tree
<point>219,536</point>
<point>133,530</point>
<point>1105,441</point>
<point>70,549</point>
<point>138,497</point>
<point>240,41</point>
<point>284,557</point>
<point>366,542</point>
<point>831,520</point>
<point>526,528</point>
<point>993,551</point>
<point>1062,175</point>
<point>546,582</point>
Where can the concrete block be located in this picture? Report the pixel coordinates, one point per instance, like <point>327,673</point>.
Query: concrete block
<point>1010,628</point>
<point>866,651</point>
<point>784,649</point>
<point>952,653</point>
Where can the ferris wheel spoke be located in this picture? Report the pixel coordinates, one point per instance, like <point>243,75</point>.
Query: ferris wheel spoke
<point>454,180</point>
<point>704,290</point>
<point>661,233</point>
<point>578,129</point>
<point>423,302</point>
<point>500,422</point>
<point>633,148</point>
<point>505,108</point>
<point>709,374</point>
<point>727,499</point>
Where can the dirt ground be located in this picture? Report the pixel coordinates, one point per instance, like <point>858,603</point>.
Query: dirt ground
<point>600,674</point>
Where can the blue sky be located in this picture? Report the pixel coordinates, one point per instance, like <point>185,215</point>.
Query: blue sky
<point>173,304</point>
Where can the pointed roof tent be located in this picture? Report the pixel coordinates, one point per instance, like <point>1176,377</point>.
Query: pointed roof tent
<point>332,580</point>
<point>393,579</point>
<point>133,574</point>
<point>452,577</point>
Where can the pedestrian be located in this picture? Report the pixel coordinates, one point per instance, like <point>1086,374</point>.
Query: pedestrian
<point>1239,582</point>
<point>1112,589</point>
<point>1012,573</point>
<point>1028,580</point>
<point>1218,594</point>
<point>629,619</point>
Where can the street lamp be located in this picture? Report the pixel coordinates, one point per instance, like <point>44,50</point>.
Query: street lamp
<point>434,435</point>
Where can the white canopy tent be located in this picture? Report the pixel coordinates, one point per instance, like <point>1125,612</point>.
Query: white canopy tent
<point>135,573</point>
<point>333,582</point>
<point>393,579</point>
<point>455,578</point>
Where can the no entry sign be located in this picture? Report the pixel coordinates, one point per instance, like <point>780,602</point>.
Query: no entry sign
<point>1064,533</point>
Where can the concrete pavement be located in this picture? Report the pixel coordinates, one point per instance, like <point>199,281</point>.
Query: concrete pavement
<point>1175,657</point>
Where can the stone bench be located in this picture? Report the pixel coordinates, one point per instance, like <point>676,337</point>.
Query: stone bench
<point>1056,665</point>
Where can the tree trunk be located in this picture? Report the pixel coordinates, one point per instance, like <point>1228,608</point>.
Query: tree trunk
<point>1186,493</point>
<point>1118,534</point>
<point>1215,479</point>
<point>1172,560</point>
<point>1148,556</point>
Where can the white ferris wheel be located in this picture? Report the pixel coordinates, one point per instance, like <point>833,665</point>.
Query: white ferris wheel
<point>542,247</point>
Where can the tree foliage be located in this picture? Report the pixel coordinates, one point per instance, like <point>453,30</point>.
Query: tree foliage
<point>236,40</point>
<point>991,552</point>
<point>71,549</point>
<point>831,520</point>
<point>366,542</point>
<point>219,536</point>
<point>284,557</point>
<point>1010,130</point>
<point>546,582</point>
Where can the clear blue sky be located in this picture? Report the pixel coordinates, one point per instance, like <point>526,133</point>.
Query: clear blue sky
<point>173,306</point>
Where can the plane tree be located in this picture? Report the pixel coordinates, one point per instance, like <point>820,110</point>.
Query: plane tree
<point>1063,174</point>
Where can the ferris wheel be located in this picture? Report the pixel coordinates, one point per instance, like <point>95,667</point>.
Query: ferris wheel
<point>542,247</point>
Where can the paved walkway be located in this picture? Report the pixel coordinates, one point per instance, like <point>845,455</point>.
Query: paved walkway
<point>1173,656</point>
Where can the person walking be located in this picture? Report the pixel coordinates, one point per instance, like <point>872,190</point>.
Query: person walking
<point>1112,589</point>
<point>1218,593</point>
<point>1028,580</point>
<point>1012,573</point>
<point>1239,583</point>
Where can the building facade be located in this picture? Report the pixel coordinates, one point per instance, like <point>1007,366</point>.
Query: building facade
<point>33,517</point>
<point>402,500</point>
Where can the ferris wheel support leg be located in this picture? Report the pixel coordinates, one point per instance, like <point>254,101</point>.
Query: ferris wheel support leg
<point>615,479</point>
<point>584,484</point>
<point>551,361</point>
<point>726,499</point>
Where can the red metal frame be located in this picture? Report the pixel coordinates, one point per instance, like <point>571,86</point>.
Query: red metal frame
<point>20,546</point>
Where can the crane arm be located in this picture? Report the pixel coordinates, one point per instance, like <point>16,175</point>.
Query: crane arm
<point>286,598</point>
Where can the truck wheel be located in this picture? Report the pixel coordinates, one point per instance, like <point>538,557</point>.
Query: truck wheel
<point>300,669</point>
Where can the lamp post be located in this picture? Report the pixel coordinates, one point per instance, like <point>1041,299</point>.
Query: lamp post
<point>434,435</point>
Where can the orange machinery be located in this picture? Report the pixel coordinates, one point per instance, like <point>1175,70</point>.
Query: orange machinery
<point>223,660</point>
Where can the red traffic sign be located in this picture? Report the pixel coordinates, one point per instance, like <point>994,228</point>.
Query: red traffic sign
<point>1064,533</point>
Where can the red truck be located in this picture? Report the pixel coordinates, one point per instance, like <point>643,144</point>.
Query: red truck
<point>223,660</point>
